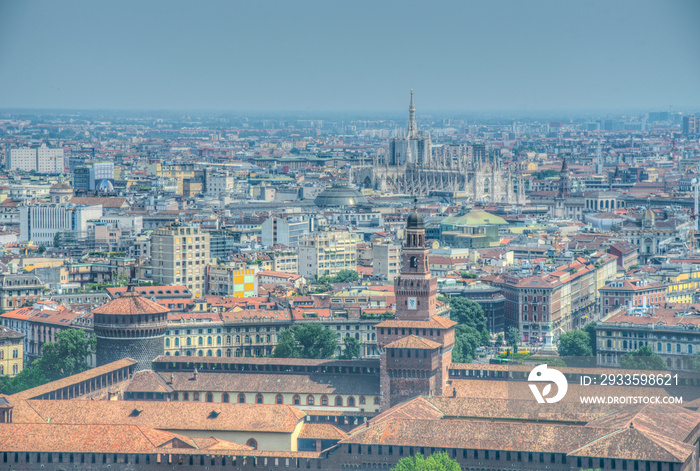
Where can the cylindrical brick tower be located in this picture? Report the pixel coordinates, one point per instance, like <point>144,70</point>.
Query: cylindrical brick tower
<point>130,326</point>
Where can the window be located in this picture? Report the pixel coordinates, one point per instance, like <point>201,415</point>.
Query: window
<point>224,397</point>
<point>324,400</point>
<point>309,400</point>
<point>339,401</point>
<point>195,396</point>
<point>351,401</point>
<point>258,398</point>
<point>252,443</point>
<point>362,400</point>
<point>296,400</point>
<point>241,398</point>
<point>209,397</point>
<point>376,401</point>
<point>279,399</point>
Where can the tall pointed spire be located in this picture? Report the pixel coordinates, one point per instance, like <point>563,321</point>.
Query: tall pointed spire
<point>412,130</point>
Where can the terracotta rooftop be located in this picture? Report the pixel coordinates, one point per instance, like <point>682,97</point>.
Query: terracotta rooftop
<point>131,303</point>
<point>323,432</point>
<point>436,322</point>
<point>162,415</point>
<point>99,438</point>
<point>418,343</point>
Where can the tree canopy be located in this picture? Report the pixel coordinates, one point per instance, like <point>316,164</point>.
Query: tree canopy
<point>642,359</point>
<point>470,330</point>
<point>306,341</point>
<point>513,336</point>
<point>576,343</point>
<point>343,276</point>
<point>352,348</point>
<point>435,462</point>
<point>590,330</point>
<point>64,357</point>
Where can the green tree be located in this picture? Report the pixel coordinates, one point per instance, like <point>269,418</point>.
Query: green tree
<point>352,348</point>
<point>513,336</point>
<point>41,249</point>
<point>306,341</point>
<point>576,343</point>
<point>286,345</point>
<point>435,462</point>
<point>642,359</point>
<point>485,338</point>
<point>346,276</point>
<point>590,330</point>
<point>466,312</point>
<point>64,357</point>
<point>499,340</point>
<point>57,240</point>
<point>467,338</point>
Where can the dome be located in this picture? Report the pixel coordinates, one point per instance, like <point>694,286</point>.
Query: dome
<point>415,221</point>
<point>473,218</point>
<point>106,186</point>
<point>130,302</point>
<point>340,195</point>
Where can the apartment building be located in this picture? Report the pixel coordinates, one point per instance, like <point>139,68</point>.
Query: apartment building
<point>40,223</point>
<point>179,256</point>
<point>326,253</point>
<point>631,292</point>
<point>41,160</point>
<point>386,261</point>
<point>287,231</point>
<point>229,281</point>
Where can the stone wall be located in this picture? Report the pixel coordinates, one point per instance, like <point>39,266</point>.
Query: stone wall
<point>143,350</point>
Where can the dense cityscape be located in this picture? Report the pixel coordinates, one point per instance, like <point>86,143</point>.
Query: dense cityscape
<point>232,236</point>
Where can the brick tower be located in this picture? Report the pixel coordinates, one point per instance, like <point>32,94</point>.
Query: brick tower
<point>130,326</point>
<point>416,346</point>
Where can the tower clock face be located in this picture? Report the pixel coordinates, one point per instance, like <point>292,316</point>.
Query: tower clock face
<point>412,303</point>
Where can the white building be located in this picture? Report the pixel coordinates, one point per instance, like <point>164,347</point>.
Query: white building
<point>326,253</point>
<point>287,231</point>
<point>179,256</point>
<point>42,160</point>
<point>40,223</point>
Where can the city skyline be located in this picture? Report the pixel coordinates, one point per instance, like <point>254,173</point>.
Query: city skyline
<point>319,57</point>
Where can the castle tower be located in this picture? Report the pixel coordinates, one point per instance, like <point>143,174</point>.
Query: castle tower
<point>416,346</point>
<point>130,326</point>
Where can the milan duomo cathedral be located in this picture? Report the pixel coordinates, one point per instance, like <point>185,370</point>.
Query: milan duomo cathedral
<point>410,167</point>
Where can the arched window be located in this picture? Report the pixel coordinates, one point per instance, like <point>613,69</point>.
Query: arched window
<point>228,340</point>
<point>209,340</point>
<point>324,400</point>
<point>309,400</point>
<point>177,342</point>
<point>351,401</point>
<point>252,443</point>
<point>414,262</point>
<point>189,341</point>
<point>218,353</point>
<point>258,398</point>
<point>209,397</point>
<point>228,352</point>
<point>218,339</point>
<point>200,353</point>
<point>376,401</point>
<point>15,368</point>
<point>279,399</point>
<point>200,341</point>
<point>241,398</point>
<point>15,353</point>
<point>224,397</point>
<point>2,354</point>
<point>338,401</point>
<point>296,400</point>
<point>362,400</point>
<point>238,339</point>
<point>209,353</point>
<point>167,342</point>
<point>2,369</point>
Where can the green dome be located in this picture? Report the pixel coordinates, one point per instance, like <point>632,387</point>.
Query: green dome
<point>473,218</point>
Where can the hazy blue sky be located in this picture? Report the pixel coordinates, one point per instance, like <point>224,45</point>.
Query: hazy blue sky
<point>350,55</point>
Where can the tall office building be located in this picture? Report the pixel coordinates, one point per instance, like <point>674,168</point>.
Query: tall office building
<point>40,223</point>
<point>386,261</point>
<point>326,253</point>
<point>691,125</point>
<point>179,256</point>
<point>41,160</point>
<point>284,230</point>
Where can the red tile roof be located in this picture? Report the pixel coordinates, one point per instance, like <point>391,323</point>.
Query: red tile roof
<point>131,303</point>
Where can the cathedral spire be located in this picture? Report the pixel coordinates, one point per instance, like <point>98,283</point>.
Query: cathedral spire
<point>412,130</point>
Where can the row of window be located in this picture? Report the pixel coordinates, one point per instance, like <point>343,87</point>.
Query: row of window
<point>15,354</point>
<point>15,369</point>
<point>279,399</point>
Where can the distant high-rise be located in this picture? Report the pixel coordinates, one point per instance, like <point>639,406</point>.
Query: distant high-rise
<point>179,256</point>
<point>40,160</point>
<point>691,125</point>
